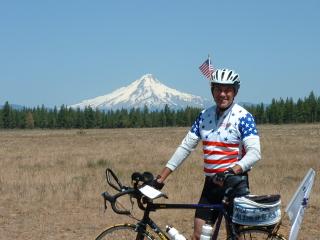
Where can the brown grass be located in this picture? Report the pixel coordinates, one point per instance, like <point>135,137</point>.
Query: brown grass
<point>50,181</point>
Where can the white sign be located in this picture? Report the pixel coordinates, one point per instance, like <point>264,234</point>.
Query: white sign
<point>298,203</point>
<point>150,192</point>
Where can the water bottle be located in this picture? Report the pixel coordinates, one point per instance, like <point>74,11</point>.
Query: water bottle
<point>206,232</point>
<point>174,233</point>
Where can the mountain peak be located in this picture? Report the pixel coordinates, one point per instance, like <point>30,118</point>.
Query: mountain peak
<point>148,79</point>
<point>147,76</point>
<point>145,91</point>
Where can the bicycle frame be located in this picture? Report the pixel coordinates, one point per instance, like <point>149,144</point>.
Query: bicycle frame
<point>147,221</point>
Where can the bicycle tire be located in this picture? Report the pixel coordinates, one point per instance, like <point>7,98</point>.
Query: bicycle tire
<point>122,231</point>
<point>258,233</point>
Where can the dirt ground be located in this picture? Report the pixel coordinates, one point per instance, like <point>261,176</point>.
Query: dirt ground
<point>51,180</point>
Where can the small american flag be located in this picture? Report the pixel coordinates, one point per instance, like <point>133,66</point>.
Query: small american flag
<point>206,68</point>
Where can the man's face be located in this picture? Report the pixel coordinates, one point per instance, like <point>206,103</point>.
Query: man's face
<point>223,95</point>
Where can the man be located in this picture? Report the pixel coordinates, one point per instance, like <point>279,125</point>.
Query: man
<point>230,141</point>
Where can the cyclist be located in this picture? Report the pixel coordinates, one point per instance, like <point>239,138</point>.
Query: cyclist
<point>231,145</point>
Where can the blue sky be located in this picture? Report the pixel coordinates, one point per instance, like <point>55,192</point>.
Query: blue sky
<point>62,52</point>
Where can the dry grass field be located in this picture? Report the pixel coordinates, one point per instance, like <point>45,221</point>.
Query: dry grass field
<point>51,180</point>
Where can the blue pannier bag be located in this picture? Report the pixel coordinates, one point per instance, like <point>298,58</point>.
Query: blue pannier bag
<point>257,210</point>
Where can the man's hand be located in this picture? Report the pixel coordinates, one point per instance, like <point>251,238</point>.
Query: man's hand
<point>219,178</point>
<point>156,184</point>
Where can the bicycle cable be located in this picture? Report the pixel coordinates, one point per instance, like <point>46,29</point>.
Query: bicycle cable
<point>124,208</point>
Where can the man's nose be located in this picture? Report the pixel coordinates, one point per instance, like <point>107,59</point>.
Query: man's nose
<point>222,92</point>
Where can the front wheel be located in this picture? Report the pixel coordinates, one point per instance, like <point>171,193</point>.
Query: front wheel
<point>257,233</point>
<point>123,231</point>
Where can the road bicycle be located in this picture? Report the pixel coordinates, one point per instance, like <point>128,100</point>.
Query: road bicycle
<point>146,228</point>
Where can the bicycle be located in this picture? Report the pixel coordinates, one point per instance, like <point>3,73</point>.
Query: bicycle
<point>146,228</point>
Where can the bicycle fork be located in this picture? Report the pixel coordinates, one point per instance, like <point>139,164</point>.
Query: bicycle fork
<point>146,221</point>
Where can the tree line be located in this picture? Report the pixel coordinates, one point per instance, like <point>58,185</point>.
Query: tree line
<point>280,111</point>
<point>65,117</point>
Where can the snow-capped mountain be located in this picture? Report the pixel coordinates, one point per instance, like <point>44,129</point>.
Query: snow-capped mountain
<point>146,91</point>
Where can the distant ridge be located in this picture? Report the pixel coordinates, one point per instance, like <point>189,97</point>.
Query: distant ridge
<point>146,91</point>
<point>14,106</point>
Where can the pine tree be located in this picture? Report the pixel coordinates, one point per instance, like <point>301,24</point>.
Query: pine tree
<point>7,117</point>
<point>301,114</point>
<point>272,111</point>
<point>19,118</point>
<point>318,110</point>
<point>110,122</point>
<point>260,114</point>
<point>155,118</point>
<point>163,118</point>
<point>61,117</point>
<point>43,117</point>
<point>98,118</point>
<point>168,115</point>
<point>1,118</point>
<point>89,117</point>
<point>122,119</point>
<point>180,118</point>
<point>79,119</point>
<point>146,118</point>
<point>311,101</point>
<point>53,118</point>
<point>29,122</point>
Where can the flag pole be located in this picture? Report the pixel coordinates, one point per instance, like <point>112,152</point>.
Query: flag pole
<point>211,77</point>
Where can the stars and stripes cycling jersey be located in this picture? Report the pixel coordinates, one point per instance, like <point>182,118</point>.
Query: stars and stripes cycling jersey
<point>227,140</point>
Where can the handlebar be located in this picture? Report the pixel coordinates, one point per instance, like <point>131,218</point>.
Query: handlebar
<point>138,179</point>
<point>113,199</point>
<point>109,174</point>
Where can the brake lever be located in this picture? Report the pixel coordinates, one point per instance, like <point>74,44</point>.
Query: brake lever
<point>105,202</point>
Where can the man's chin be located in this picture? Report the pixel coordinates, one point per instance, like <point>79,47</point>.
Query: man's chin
<point>223,106</point>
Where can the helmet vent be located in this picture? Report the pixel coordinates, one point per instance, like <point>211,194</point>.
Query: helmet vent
<point>217,74</point>
<point>235,77</point>
<point>222,74</point>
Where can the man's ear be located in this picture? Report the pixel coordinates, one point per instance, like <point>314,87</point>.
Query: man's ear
<point>236,89</point>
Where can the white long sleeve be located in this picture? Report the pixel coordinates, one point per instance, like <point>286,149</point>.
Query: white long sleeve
<point>187,145</point>
<point>253,153</point>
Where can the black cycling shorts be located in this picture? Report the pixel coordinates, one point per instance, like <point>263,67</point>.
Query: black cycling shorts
<point>213,194</point>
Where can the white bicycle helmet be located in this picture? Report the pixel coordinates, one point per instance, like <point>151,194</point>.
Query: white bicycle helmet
<point>226,76</point>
